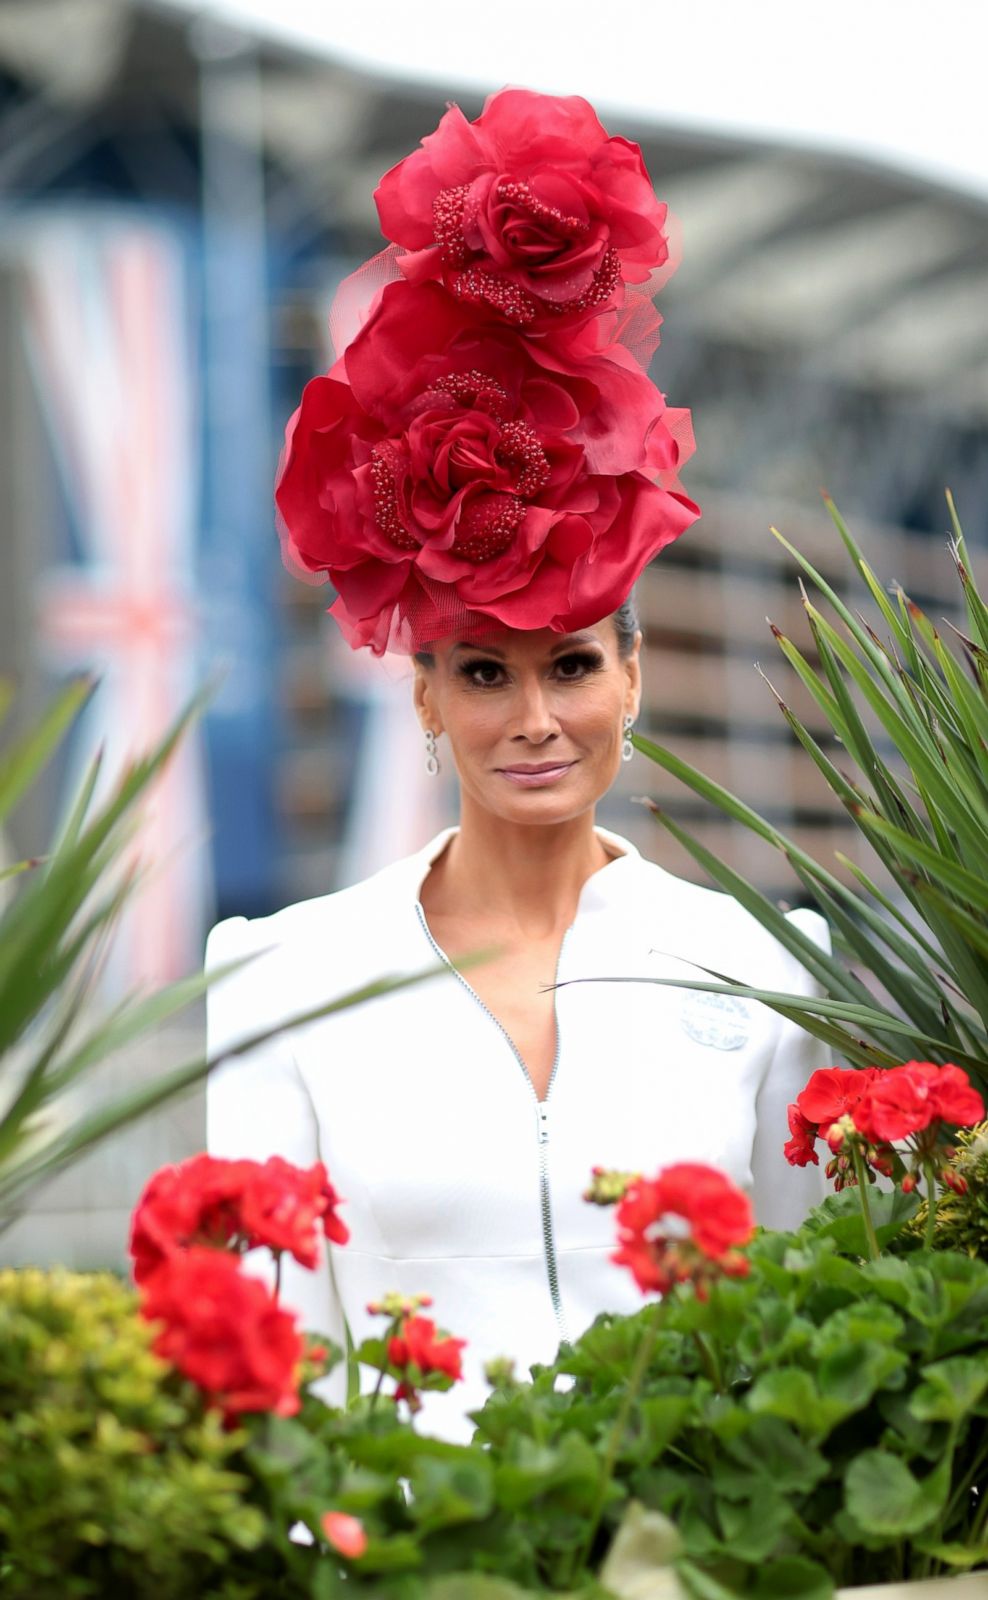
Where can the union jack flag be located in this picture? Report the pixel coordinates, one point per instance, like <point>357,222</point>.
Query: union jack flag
<point>113,362</point>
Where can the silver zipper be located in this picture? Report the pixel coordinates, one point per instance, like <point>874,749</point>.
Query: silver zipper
<point>542,1120</point>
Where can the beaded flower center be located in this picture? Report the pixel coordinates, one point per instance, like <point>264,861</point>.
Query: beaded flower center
<point>482,284</point>
<point>490,516</point>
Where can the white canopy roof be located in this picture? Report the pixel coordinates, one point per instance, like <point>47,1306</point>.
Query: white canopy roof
<point>892,81</point>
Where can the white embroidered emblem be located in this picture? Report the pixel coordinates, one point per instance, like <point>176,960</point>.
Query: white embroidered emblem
<point>717,1020</point>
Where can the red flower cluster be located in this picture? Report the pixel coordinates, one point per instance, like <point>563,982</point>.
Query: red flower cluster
<point>486,447</point>
<point>418,1355</point>
<point>907,1100</point>
<point>234,1205</point>
<point>683,1226</point>
<point>225,1332</point>
<point>881,1108</point>
<point>223,1329</point>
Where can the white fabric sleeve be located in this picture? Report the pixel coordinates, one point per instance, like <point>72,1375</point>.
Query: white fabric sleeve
<point>257,1105</point>
<point>783,1195</point>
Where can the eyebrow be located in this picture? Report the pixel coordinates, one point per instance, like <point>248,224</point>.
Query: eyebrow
<point>572,641</point>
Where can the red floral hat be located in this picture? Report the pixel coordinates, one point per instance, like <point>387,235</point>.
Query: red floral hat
<point>487,448</point>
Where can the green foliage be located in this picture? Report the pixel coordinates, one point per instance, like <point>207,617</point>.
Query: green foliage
<point>54,933</point>
<point>112,1481</point>
<point>823,1421</point>
<point>918,793</point>
<point>962,1219</point>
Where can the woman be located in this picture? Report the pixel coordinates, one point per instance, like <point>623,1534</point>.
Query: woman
<point>483,475</point>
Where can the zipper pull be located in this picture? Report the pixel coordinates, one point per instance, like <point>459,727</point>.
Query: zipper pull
<point>543,1111</point>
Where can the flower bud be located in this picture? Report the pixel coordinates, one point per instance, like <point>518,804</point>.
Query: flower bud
<point>345,1533</point>
<point>909,1183</point>
<point>500,1372</point>
<point>608,1187</point>
<point>394,1305</point>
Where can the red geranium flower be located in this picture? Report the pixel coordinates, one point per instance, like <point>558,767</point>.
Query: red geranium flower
<point>831,1092</point>
<point>446,470</point>
<point>234,1205</point>
<point>196,1202</point>
<point>531,211</point>
<point>415,1345</point>
<point>904,1101</point>
<point>224,1331</point>
<point>283,1206</point>
<point>799,1151</point>
<point>683,1225</point>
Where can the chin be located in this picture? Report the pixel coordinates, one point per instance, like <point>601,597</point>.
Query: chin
<point>543,807</point>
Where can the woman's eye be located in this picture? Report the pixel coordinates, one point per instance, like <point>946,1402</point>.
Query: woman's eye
<point>576,666</point>
<point>486,673</point>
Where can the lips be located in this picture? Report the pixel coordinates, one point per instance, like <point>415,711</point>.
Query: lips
<point>538,775</point>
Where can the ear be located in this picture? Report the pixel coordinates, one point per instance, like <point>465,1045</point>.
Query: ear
<point>633,667</point>
<point>424,700</point>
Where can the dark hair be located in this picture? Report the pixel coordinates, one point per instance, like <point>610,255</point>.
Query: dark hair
<point>626,625</point>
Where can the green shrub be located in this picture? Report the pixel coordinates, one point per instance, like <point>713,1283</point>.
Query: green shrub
<point>112,1480</point>
<point>962,1219</point>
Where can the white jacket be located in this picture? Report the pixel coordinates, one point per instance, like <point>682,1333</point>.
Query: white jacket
<point>457,1181</point>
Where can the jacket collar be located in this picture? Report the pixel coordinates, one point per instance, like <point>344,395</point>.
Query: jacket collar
<point>601,890</point>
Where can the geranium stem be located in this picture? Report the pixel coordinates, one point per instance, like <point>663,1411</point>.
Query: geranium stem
<point>389,1333</point>
<point>708,1361</point>
<point>277,1276</point>
<point>931,1205</point>
<point>636,1378</point>
<point>861,1173</point>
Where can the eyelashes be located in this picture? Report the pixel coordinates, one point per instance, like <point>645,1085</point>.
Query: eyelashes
<point>570,668</point>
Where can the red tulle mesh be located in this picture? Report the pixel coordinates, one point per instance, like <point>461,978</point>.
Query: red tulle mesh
<point>356,294</point>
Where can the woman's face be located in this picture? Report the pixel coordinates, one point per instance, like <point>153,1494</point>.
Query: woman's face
<point>534,720</point>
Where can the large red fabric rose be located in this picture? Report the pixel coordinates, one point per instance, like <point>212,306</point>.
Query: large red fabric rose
<point>680,1225</point>
<point>225,1332</point>
<point>195,1202</point>
<point>446,474</point>
<point>906,1100</point>
<point>531,211</point>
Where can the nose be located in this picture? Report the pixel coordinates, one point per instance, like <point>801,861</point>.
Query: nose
<point>533,719</point>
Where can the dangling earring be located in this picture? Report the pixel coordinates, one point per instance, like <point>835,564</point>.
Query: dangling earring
<point>431,759</point>
<point>627,748</point>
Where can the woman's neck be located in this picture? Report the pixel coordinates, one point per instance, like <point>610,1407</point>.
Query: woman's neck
<point>525,877</point>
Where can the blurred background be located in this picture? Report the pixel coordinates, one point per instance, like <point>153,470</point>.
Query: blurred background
<point>182,187</point>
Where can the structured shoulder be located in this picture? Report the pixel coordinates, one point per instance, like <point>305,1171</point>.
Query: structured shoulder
<point>307,951</point>
<point>711,927</point>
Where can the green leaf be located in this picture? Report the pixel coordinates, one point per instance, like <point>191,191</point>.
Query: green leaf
<point>792,1578</point>
<point>23,765</point>
<point>884,1497</point>
<point>791,1394</point>
<point>656,1421</point>
<point>474,1586</point>
<point>950,1389</point>
<point>568,1471</point>
<point>953,1554</point>
<point>969,886</point>
<point>771,1448</point>
<point>839,1218</point>
<point>444,1492</point>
